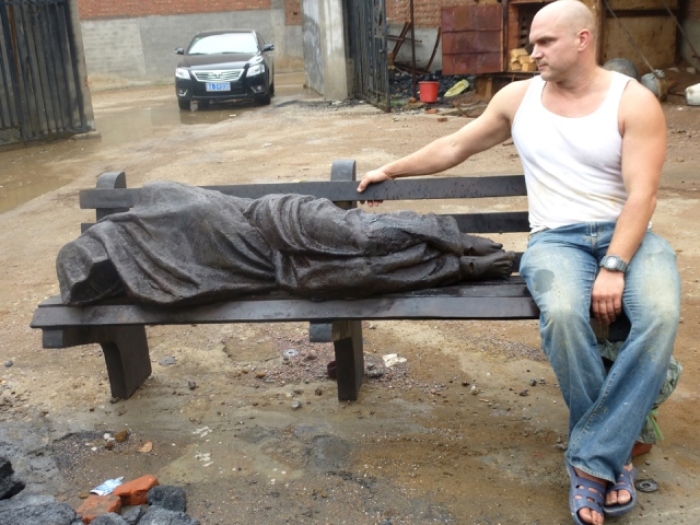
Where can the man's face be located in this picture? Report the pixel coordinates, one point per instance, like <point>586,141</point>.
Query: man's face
<point>555,46</point>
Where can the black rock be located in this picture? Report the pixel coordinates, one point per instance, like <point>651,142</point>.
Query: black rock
<point>9,485</point>
<point>161,516</point>
<point>109,519</point>
<point>132,515</point>
<point>34,510</point>
<point>167,497</point>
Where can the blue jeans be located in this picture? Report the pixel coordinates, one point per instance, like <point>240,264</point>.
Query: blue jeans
<point>607,410</point>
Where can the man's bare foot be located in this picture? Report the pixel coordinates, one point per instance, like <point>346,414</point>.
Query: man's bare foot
<point>619,497</point>
<point>475,245</point>
<point>586,514</point>
<point>498,265</point>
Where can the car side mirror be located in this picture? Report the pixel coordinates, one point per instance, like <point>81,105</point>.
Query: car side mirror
<point>269,47</point>
<point>179,51</point>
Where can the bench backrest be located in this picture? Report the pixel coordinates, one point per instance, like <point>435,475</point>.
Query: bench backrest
<point>111,194</point>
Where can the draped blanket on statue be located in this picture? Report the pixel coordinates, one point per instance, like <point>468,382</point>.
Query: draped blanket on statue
<point>183,244</point>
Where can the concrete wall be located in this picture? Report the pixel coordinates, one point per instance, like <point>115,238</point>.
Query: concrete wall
<point>325,56</point>
<point>124,51</point>
<point>311,30</point>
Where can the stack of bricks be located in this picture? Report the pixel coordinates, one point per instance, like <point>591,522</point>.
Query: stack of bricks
<point>520,60</point>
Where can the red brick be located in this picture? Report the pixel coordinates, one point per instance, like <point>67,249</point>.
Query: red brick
<point>93,9</point>
<point>134,492</point>
<point>95,506</point>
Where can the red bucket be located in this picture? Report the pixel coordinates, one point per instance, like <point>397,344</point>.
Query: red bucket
<point>428,91</point>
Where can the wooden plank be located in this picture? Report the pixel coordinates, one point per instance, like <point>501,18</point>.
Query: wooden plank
<point>516,221</point>
<point>402,189</point>
<point>507,300</point>
<point>642,5</point>
<point>654,39</point>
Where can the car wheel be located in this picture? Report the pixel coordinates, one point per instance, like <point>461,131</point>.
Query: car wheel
<point>272,89</point>
<point>264,100</point>
<point>183,103</point>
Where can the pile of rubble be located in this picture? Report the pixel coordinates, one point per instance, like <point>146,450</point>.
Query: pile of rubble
<point>401,82</point>
<point>138,502</point>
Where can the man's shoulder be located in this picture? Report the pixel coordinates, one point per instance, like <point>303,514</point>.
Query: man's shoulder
<point>509,98</point>
<point>519,86</point>
<point>635,96</point>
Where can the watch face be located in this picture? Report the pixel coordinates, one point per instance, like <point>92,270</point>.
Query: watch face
<point>611,262</point>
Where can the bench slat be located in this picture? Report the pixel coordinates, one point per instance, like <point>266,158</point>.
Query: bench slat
<point>511,221</point>
<point>403,189</point>
<point>502,300</point>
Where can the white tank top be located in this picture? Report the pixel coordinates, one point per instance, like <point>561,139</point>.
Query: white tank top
<point>572,166</point>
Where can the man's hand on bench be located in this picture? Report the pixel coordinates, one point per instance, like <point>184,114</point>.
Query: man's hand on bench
<point>372,177</point>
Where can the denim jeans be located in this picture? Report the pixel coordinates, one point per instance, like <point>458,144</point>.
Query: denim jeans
<point>607,411</point>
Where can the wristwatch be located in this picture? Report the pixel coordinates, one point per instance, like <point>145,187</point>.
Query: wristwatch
<point>613,263</point>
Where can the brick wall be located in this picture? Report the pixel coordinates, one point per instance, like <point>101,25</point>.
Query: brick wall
<point>292,12</point>
<point>97,9</point>
<point>426,13</point>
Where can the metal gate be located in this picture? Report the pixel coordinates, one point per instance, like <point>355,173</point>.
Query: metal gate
<point>40,89</point>
<point>367,42</point>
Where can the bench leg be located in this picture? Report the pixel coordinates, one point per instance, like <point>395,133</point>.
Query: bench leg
<point>350,362</point>
<point>126,355</point>
<point>125,349</point>
<point>349,356</point>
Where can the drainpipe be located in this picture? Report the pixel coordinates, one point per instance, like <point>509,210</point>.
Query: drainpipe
<point>413,54</point>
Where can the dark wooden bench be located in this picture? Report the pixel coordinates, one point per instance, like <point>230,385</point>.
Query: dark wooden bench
<point>119,326</point>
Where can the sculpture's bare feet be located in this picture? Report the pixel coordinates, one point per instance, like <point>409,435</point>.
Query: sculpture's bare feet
<point>475,245</point>
<point>497,265</point>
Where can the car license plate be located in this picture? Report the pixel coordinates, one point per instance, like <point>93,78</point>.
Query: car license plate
<point>218,86</point>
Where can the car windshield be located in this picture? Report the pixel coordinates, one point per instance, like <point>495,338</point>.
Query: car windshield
<point>224,44</point>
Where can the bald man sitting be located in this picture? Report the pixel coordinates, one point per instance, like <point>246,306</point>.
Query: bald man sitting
<point>592,163</point>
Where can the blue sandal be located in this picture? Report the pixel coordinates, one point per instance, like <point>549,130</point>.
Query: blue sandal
<point>625,481</point>
<point>584,494</point>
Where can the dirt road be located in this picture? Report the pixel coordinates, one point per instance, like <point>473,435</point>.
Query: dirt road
<point>418,447</point>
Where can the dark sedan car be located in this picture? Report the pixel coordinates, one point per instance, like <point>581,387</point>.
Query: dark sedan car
<point>225,65</point>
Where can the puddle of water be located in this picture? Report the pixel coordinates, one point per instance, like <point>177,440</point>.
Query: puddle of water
<point>27,171</point>
<point>37,168</point>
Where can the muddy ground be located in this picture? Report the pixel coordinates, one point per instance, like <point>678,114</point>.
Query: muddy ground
<point>418,447</point>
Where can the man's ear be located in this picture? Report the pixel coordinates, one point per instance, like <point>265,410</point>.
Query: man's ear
<point>584,39</point>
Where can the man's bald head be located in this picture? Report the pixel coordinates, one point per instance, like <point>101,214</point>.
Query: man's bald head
<point>571,14</point>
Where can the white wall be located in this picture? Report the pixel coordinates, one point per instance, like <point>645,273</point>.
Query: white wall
<point>142,50</point>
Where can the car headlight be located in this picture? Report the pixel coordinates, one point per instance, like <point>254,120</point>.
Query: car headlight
<point>257,69</point>
<point>181,72</point>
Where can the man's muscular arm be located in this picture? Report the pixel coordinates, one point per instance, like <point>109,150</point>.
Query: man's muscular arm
<point>643,154</point>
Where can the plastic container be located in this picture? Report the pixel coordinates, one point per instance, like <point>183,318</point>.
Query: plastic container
<point>692,95</point>
<point>428,91</point>
<point>655,82</point>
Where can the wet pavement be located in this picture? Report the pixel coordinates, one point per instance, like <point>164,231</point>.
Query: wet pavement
<point>35,168</point>
<point>255,433</point>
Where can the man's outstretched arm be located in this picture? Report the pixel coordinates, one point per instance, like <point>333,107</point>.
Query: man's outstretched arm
<point>490,129</point>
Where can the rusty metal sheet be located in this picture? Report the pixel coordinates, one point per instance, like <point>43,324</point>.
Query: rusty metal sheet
<point>466,64</point>
<point>471,42</point>
<point>472,39</point>
<point>459,18</point>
